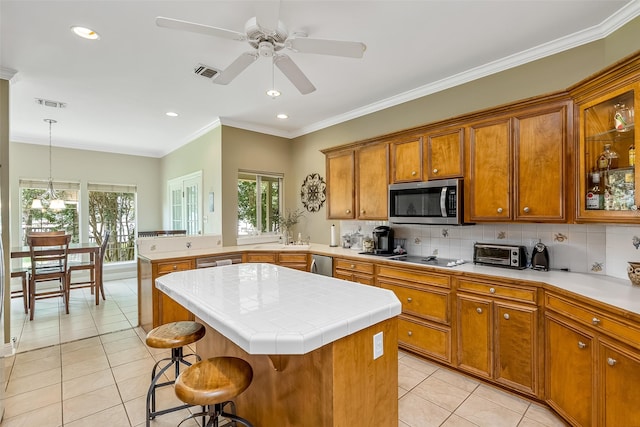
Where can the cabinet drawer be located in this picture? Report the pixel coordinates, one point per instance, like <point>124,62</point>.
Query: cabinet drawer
<point>430,340</point>
<point>169,267</point>
<point>362,267</point>
<point>516,293</point>
<point>615,327</point>
<point>269,257</point>
<point>414,276</point>
<point>292,258</point>
<point>432,305</point>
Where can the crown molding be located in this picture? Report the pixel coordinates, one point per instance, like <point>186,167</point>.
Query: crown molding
<point>7,73</point>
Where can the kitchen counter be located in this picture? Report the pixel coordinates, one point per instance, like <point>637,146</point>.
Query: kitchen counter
<point>311,341</point>
<point>268,309</point>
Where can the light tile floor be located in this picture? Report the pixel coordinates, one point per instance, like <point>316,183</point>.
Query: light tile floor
<point>91,367</point>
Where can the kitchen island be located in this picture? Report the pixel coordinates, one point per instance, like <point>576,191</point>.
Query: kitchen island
<point>311,341</point>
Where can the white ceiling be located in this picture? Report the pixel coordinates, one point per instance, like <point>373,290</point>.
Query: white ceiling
<point>117,89</point>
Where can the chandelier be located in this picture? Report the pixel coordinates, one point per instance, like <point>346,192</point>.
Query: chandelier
<point>49,197</point>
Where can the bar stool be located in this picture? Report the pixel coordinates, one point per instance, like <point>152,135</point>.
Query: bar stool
<point>212,384</point>
<point>173,335</point>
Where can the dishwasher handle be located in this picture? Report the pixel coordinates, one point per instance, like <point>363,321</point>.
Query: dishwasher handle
<point>314,266</point>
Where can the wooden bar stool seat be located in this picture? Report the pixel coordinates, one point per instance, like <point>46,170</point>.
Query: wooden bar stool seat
<point>213,384</point>
<point>172,336</point>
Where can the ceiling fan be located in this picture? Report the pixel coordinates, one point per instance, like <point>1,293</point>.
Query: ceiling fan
<point>268,40</point>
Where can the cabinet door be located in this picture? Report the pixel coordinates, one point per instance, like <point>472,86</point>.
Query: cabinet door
<point>540,140</point>
<point>372,182</point>
<point>406,157</point>
<point>489,172</point>
<point>474,335</point>
<point>619,398</point>
<point>443,154</point>
<point>569,371</point>
<point>171,311</point>
<point>340,185</point>
<point>516,362</point>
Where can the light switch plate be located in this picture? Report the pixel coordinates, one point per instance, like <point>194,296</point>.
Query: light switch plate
<point>378,345</point>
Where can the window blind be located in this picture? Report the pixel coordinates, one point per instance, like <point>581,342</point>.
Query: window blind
<point>111,188</point>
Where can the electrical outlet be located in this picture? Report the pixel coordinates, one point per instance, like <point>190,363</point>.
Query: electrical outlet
<point>378,345</point>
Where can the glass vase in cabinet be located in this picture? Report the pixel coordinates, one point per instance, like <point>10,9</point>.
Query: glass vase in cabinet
<point>608,137</point>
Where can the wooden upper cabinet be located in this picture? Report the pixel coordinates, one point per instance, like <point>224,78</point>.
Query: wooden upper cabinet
<point>340,185</point>
<point>406,159</point>
<point>372,180</point>
<point>443,154</point>
<point>488,184</point>
<point>540,141</point>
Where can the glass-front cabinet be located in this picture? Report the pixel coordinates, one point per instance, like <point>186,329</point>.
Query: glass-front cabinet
<point>608,180</point>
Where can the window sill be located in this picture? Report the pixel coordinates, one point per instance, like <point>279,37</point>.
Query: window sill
<point>263,238</point>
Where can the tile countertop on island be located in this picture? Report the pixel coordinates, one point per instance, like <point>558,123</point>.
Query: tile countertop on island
<point>618,293</point>
<point>268,309</point>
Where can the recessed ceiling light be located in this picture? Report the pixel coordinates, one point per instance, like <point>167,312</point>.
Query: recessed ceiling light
<point>171,114</point>
<point>273,93</point>
<point>85,33</point>
<point>282,116</point>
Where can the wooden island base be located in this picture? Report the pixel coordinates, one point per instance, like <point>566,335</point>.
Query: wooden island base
<point>339,384</point>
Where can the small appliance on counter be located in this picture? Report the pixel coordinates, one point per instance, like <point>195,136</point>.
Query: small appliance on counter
<point>540,257</point>
<point>511,256</point>
<point>383,240</point>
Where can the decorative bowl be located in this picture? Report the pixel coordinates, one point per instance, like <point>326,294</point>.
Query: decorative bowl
<point>633,270</point>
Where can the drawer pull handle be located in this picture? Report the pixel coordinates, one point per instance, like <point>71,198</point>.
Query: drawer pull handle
<point>435,171</point>
<point>479,310</point>
<point>348,211</point>
<point>506,316</point>
<point>581,344</point>
<point>409,299</point>
<point>413,173</point>
<point>410,333</point>
<point>499,210</point>
<point>492,290</point>
<point>362,211</point>
<point>353,266</point>
<point>175,267</point>
<point>611,361</point>
<point>595,321</point>
<point>526,209</point>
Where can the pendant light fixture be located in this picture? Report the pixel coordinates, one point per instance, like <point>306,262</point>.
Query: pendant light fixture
<point>50,197</point>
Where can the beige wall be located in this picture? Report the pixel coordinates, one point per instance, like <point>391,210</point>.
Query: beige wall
<point>551,74</point>
<point>31,161</point>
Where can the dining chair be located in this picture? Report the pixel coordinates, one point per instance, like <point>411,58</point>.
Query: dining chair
<point>49,256</point>
<point>90,266</point>
<point>23,291</point>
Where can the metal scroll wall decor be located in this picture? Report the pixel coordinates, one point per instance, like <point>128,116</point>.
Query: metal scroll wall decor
<point>313,192</point>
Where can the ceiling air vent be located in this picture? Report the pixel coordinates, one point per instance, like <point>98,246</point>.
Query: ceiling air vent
<point>50,103</point>
<point>206,71</point>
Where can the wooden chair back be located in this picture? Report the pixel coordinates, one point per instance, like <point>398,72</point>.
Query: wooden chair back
<point>49,254</point>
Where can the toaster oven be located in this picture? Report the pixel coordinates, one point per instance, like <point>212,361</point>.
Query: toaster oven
<point>511,256</point>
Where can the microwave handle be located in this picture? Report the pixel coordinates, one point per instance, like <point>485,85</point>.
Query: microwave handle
<point>443,201</point>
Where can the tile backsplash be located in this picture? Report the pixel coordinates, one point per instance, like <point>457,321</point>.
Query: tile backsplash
<point>596,249</point>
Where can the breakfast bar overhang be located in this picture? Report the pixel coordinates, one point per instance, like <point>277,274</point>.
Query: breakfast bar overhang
<point>324,351</point>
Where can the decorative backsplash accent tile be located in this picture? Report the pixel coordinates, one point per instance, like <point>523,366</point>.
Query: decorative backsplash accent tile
<point>559,237</point>
<point>596,267</point>
<point>502,235</point>
<point>635,241</point>
<point>445,232</point>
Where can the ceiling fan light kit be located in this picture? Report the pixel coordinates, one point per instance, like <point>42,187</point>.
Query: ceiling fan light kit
<point>267,43</point>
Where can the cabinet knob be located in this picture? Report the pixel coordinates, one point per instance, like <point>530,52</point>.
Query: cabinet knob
<point>581,344</point>
<point>409,299</point>
<point>506,316</point>
<point>479,310</point>
<point>413,173</point>
<point>175,267</point>
<point>526,209</point>
<point>595,321</point>
<point>348,211</point>
<point>499,210</point>
<point>611,361</point>
<point>409,333</point>
<point>362,211</point>
<point>353,266</point>
<point>492,290</point>
<point>435,171</point>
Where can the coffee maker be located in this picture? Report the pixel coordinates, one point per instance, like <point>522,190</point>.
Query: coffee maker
<point>383,239</point>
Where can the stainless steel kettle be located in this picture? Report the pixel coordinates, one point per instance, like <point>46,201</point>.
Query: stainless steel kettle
<point>540,257</point>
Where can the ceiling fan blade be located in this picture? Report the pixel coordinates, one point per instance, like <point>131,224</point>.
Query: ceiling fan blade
<point>176,24</point>
<point>327,47</point>
<point>294,74</point>
<point>236,67</point>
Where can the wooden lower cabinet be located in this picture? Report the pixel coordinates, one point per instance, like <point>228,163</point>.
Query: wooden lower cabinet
<point>620,375</point>
<point>424,326</point>
<point>296,260</point>
<point>353,271</point>
<point>268,257</point>
<point>497,339</point>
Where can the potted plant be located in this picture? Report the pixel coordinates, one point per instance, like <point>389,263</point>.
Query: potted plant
<point>287,221</point>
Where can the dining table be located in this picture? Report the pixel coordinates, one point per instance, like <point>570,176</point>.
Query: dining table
<point>93,249</point>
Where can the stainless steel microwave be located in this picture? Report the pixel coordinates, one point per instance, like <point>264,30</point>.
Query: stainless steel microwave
<point>428,202</point>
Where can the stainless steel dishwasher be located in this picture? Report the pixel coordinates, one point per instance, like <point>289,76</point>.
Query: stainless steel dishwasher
<point>321,264</point>
<point>218,260</point>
